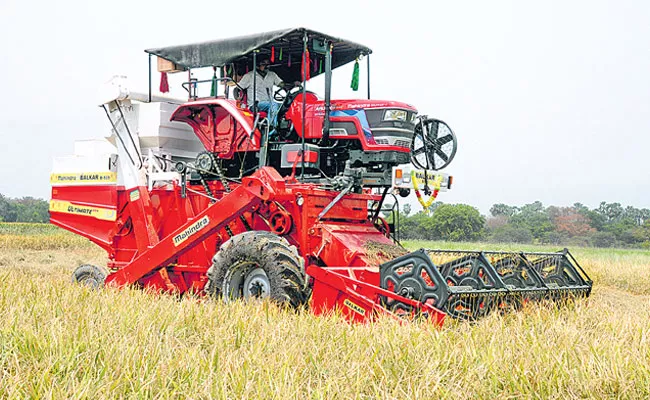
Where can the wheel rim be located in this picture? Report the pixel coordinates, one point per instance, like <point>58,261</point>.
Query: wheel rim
<point>88,280</point>
<point>257,285</point>
<point>248,280</point>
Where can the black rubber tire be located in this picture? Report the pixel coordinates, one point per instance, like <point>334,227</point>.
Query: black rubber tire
<point>90,275</point>
<point>249,251</point>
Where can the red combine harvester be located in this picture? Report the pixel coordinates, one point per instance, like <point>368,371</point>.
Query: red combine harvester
<point>214,196</point>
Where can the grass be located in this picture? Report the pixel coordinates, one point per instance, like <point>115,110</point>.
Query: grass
<point>34,236</point>
<point>59,340</point>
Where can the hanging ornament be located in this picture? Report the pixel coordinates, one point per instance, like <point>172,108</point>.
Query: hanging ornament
<point>164,84</point>
<point>315,63</point>
<point>305,65</point>
<point>436,189</point>
<point>289,61</point>
<point>320,66</point>
<point>355,76</point>
<point>272,53</point>
<point>280,53</point>
<point>213,89</point>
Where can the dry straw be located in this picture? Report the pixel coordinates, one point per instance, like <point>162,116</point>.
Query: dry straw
<point>58,340</point>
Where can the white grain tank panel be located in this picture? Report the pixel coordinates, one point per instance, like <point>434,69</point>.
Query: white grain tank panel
<point>161,135</point>
<point>95,155</point>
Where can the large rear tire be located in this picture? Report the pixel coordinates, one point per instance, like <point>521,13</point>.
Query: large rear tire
<point>258,264</point>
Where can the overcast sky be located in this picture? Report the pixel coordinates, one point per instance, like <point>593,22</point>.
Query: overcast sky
<point>550,100</point>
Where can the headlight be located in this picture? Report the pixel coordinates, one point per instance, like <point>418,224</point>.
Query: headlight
<point>395,115</point>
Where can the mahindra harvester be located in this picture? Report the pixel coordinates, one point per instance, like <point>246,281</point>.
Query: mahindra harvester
<point>213,196</point>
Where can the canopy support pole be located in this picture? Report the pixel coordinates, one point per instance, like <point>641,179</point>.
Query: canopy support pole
<point>149,78</point>
<point>255,83</point>
<point>328,91</point>
<point>368,73</point>
<point>304,102</point>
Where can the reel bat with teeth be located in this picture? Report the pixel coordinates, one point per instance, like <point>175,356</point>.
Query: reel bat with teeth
<point>433,145</point>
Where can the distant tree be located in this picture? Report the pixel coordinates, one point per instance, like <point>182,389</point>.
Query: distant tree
<point>457,222</point>
<point>603,239</point>
<point>642,234</point>
<point>534,207</point>
<point>610,211</point>
<point>511,234</point>
<point>636,216</point>
<point>534,218</point>
<point>503,210</point>
<point>570,221</point>
<point>8,211</point>
<point>493,223</point>
<point>406,209</point>
<point>596,220</point>
<point>30,209</point>
<point>581,208</point>
<point>417,226</point>
<point>553,237</point>
<point>26,209</point>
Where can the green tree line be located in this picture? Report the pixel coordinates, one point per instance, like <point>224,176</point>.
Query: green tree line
<point>608,225</point>
<point>24,209</point>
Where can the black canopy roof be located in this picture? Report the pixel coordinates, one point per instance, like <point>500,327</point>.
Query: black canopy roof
<point>238,52</point>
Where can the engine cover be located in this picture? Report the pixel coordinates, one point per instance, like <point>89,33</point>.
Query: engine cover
<point>291,154</point>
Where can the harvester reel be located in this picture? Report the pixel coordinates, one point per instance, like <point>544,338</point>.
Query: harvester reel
<point>468,276</point>
<point>258,264</point>
<point>414,277</point>
<point>433,145</point>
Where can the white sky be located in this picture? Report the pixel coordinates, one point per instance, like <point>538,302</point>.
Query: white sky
<point>550,100</point>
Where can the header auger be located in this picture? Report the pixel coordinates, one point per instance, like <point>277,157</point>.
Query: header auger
<point>214,197</point>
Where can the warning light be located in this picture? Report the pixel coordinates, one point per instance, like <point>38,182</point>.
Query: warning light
<point>398,173</point>
<point>450,181</point>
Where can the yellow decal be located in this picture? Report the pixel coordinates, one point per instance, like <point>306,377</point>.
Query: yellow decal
<point>418,178</point>
<point>354,307</point>
<point>194,228</point>
<point>134,195</point>
<point>83,178</point>
<point>105,214</point>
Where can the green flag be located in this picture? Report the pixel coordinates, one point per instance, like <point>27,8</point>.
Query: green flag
<point>355,77</point>
<point>213,90</point>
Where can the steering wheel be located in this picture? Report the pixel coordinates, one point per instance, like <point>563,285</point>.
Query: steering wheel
<point>281,94</point>
<point>285,97</point>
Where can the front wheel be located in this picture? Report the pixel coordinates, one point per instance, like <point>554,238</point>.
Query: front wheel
<point>90,275</point>
<point>258,264</point>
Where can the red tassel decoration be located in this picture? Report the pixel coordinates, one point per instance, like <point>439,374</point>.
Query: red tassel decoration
<point>305,66</point>
<point>164,84</point>
<point>272,53</point>
<point>289,61</point>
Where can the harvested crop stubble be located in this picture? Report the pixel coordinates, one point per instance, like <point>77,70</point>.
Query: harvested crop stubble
<point>59,340</point>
